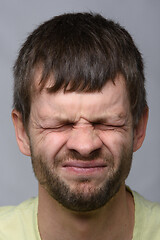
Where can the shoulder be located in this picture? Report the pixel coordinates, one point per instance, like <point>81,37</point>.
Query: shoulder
<point>14,220</point>
<point>147,207</point>
<point>25,208</point>
<point>147,218</point>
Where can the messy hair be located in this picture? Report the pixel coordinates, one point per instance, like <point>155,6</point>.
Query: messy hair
<point>82,51</point>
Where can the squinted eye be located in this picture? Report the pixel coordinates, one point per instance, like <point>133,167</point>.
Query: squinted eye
<point>60,128</point>
<point>105,127</point>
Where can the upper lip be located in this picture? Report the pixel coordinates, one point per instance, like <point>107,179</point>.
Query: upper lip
<point>85,164</point>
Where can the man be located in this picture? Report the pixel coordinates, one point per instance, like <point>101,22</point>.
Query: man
<point>80,112</point>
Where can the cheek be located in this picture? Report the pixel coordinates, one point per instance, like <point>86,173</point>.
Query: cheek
<point>116,141</point>
<point>50,144</point>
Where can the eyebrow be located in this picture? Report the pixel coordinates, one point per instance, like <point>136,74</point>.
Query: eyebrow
<point>57,119</point>
<point>107,118</point>
<point>102,119</point>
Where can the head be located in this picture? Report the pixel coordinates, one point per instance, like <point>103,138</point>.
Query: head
<point>77,63</point>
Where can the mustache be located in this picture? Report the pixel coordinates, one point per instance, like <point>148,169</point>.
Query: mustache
<point>74,155</point>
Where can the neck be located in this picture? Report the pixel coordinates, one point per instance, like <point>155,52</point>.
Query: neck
<point>113,221</point>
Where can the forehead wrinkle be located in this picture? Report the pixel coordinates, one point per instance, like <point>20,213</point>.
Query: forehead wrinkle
<point>111,102</point>
<point>88,112</point>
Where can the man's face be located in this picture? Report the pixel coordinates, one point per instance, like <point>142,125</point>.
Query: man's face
<point>81,144</point>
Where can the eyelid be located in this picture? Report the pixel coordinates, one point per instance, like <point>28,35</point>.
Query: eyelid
<point>61,127</point>
<point>105,126</point>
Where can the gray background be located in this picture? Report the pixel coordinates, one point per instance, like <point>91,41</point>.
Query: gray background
<point>18,18</point>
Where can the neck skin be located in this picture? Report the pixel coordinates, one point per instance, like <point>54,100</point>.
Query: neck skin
<point>113,221</point>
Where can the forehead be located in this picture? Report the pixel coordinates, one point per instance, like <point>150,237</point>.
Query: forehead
<point>112,100</point>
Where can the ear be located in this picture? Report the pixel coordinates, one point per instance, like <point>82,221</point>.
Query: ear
<point>21,134</point>
<point>140,130</point>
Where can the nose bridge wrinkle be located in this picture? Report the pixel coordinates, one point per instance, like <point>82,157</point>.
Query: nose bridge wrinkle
<point>83,126</point>
<point>84,129</point>
<point>82,122</point>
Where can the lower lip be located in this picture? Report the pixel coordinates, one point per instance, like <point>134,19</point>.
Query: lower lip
<point>81,170</point>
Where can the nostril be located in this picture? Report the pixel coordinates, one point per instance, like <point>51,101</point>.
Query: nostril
<point>91,156</point>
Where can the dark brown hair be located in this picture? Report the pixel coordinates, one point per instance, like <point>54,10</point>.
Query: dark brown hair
<point>82,51</point>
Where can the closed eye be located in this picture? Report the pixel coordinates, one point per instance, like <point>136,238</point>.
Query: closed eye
<point>60,128</point>
<point>105,127</point>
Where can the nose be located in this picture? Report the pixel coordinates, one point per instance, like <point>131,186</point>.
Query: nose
<point>84,140</point>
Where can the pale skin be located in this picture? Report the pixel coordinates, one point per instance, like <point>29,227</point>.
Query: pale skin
<point>100,120</point>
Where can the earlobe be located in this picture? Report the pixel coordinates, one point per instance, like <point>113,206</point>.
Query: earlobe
<point>21,135</point>
<point>140,130</point>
